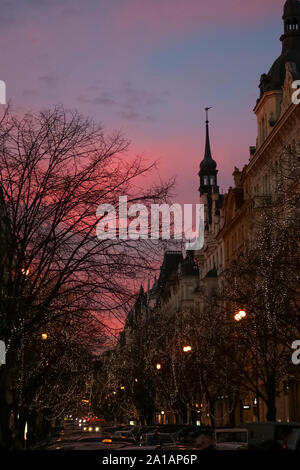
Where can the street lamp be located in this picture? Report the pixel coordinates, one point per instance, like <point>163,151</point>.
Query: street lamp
<point>158,366</point>
<point>44,336</point>
<point>240,315</point>
<point>187,348</point>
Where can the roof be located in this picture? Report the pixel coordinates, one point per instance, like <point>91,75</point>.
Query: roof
<point>291,8</point>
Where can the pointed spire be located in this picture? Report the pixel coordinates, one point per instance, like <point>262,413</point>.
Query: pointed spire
<point>208,167</point>
<point>141,292</point>
<point>208,161</point>
<point>207,154</point>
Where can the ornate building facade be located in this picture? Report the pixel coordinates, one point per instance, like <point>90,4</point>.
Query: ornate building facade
<point>230,218</point>
<point>185,283</point>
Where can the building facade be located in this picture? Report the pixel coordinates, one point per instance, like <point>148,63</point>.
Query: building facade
<point>230,219</point>
<point>185,283</point>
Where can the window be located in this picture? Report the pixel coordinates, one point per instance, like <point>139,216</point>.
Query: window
<point>295,24</point>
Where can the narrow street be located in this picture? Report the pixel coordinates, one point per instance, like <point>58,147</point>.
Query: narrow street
<point>72,439</point>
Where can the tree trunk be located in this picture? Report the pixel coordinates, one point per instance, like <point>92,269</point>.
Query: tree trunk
<point>5,437</point>
<point>271,400</point>
<point>272,411</point>
<point>232,404</point>
<point>211,404</point>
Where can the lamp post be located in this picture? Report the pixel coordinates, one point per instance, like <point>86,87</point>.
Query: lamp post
<point>241,315</point>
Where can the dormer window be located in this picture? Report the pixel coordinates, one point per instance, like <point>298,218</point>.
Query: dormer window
<point>212,180</point>
<point>205,180</point>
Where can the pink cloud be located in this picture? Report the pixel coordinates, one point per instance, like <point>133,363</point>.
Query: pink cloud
<point>172,16</point>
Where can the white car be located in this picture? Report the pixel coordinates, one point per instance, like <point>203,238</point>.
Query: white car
<point>231,439</point>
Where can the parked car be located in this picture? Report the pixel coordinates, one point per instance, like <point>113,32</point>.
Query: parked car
<point>128,435</point>
<point>231,439</point>
<point>269,435</point>
<point>292,441</point>
<point>155,440</point>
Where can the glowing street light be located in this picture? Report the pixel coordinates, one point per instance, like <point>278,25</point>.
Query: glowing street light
<point>122,388</point>
<point>44,336</point>
<point>240,315</point>
<point>187,348</point>
<point>158,366</point>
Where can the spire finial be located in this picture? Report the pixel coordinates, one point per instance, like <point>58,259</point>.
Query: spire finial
<point>206,110</point>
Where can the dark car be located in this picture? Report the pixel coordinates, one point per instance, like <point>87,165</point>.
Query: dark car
<point>269,435</point>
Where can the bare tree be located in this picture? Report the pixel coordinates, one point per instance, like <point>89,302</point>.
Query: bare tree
<point>56,168</point>
<point>265,283</point>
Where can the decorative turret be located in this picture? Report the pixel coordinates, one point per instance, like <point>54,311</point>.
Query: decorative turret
<point>274,80</point>
<point>272,102</point>
<point>291,17</point>
<point>208,175</point>
<point>208,167</point>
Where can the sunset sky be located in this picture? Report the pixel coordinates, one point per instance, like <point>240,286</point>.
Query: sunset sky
<point>148,67</point>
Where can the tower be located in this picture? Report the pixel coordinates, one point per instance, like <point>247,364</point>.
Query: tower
<point>291,18</point>
<point>268,107</point>
<point>208,173</point>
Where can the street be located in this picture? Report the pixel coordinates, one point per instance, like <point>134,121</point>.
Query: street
<point>71,439</point>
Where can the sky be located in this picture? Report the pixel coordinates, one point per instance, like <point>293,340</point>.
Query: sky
<point>149,68</point>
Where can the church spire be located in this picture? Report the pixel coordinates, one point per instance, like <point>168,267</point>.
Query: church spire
<point>207,154</point>
<point>208,167</point>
